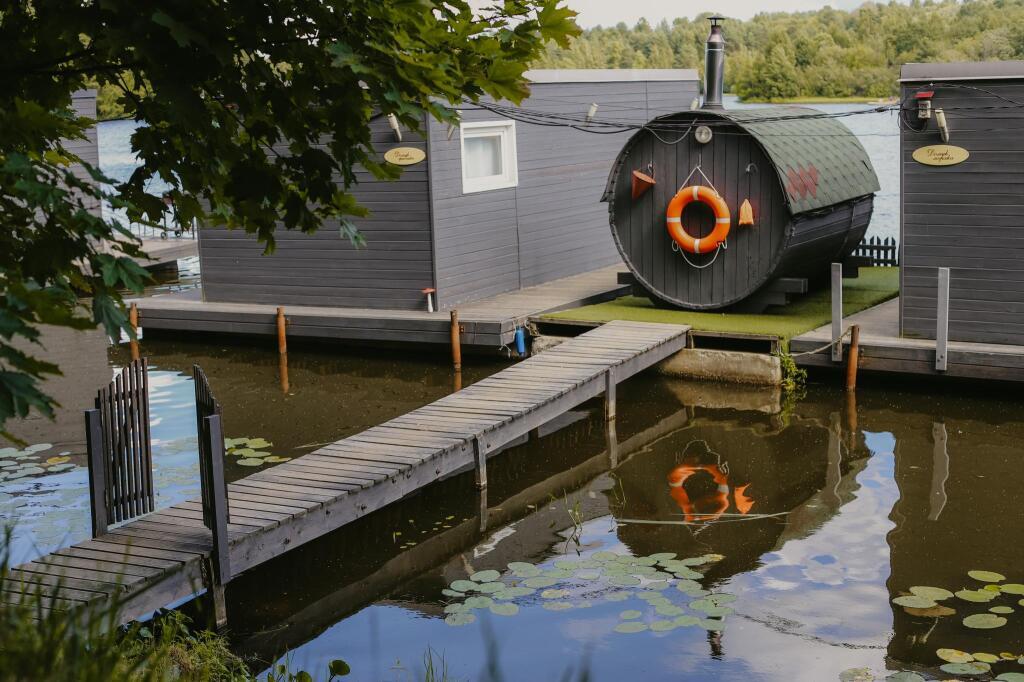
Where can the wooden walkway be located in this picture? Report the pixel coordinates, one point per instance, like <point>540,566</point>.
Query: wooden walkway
<point>882,349</point>
<point>158,559</point>
<point>488,322</point>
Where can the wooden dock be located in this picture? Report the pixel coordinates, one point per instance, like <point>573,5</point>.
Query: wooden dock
<point>882,349</point>
<point>487,322</point>
<point>159,559</point>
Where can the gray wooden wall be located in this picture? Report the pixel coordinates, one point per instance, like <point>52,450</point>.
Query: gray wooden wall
<point>968,217</point>
<point>324,269</point>
<point>83,103</point>
<point>553,224</point>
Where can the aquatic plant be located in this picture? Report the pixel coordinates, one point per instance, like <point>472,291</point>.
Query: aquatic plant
<point>577,583</point>
<point>16,464</point>
<point>250,451</point>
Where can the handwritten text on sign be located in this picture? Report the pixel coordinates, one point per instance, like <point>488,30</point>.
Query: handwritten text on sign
<point>404,156</point>
<point>941,155</point>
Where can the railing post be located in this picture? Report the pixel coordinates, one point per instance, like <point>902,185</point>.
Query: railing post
<point>220,557</point>
<point>837,312</point>
<point>942,320</point>
<point>97,472</point>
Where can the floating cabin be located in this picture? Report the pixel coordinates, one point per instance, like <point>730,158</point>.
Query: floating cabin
<point>793,187</point>
<point>963,199</point>
<point>487,207</point>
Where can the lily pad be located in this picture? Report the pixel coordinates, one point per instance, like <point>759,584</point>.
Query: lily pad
<point>687,585</point>
<point>513,592</point>
<point>1012,588</point>
<point>976,595</point>
<point>688,574</point>
<point>31,471</point>
<point>631,614</point>
<point>662,556</point>
<point>904,676</point>
<point>986,658</point>
<point>972,668</point>
<point>914,601</point>
<point>522,568</point>
<point>588,575</point>
<point>702,604</point>
<point>604,556</point>
<point>712,625</point>
<point>250,462</point>
<point>857,675</point>
<point>1001,609</point>
<point>938,611</point>
<point>657,585</point>
<point>59,459</point>
<point>452,593</point>
<point>479,602</point>
<point>460,619</point>
<point>619,595</point>
<point>669,610</point>
<point>686,621</point>
<point>720,598</point>
<point>987,576</point>
<point>557,605</point>
<point>984,621</point>
<point>463,585</point>
<point>624,580</point>
<point>505,609</point>
<point>1010,677</point>
<point>557,573</point>
<point>243,452</point>
<point>457,607</point>
<point>954,656</point>
<point>485,576</point>
<point>662,625</point>
<point>275,459</point>
<point>566,565</point>
<point>62,467</point>
<point>39,447</point>
<point>540,581</point>
<point>630,627</point>
<point>933,593</point>
<point>491,588</point>
<point>553,594</point>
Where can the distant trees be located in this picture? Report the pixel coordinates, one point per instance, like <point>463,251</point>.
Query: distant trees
<point>826,53</point>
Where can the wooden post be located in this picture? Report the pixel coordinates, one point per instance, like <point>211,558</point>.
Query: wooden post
<point>97,472</point>
<point>282,337</point>
<point>612,443</point>
<point>456,342</point>
<point>481,495</point>
<point>853,358</point>
<point>609,395</point>
<point>480,458</point>
<point>942,320</point>
<point>837,312</point>
<point>282,367</point>
<point>220,556</point>
<point>457,381</point>
<point>133,320</point>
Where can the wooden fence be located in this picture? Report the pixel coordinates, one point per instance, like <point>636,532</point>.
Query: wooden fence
<point>881,252</point>
<point>118,445</point>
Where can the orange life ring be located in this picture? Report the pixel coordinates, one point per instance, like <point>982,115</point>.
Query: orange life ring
<point>674,222</point>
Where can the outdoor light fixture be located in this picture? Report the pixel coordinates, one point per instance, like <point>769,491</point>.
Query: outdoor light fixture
<point>393,122</point>
<point>703,134</point>
<point>940,119</point>
<point>592,112</point>
<point>924,104</point>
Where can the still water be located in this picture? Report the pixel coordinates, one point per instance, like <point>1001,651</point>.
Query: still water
<point>821,512</point>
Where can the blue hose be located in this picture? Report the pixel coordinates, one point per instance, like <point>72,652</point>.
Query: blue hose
<point>520,342</point>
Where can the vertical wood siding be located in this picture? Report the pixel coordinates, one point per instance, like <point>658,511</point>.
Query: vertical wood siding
<point>553,223</point>
<point>83,103</point>
<point>324,268</point>
<point>968,217</point>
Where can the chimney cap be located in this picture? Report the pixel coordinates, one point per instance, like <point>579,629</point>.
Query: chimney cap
<point>716,20</point>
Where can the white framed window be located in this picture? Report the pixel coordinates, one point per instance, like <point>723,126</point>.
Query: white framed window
<point>488,155</point>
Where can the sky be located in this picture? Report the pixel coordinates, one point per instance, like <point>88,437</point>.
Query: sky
<point>611,12</point>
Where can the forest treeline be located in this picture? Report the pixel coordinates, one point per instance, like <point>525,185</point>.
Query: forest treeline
<point>824,53</point>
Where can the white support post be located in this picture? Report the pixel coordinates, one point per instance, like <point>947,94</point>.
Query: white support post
<point>609,395</point>
<point>480,457</point>
<point>837,312</point>
<point>942,320</point>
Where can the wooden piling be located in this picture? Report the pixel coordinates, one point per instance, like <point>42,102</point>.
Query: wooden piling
<point>282,338</point>
<point>853,358</point>
<point>456,342</point>
<point>609,395</point>
<point>133,320</point>
<point>282,367</point>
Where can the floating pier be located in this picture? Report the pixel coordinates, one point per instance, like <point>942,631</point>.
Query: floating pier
<point>159,558</point>
<point>487,322</point>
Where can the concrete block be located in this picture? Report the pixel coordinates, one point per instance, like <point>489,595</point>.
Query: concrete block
<point>724,365</point>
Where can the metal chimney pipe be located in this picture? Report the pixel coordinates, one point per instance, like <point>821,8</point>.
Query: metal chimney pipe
<point>714,65</point>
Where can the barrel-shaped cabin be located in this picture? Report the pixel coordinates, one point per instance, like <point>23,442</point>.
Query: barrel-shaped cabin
<point>794,190</point>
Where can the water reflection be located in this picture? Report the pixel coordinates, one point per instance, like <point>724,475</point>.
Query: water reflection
<point>820,524</point>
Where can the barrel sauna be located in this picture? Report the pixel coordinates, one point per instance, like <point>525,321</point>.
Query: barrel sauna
<point>799,179</point>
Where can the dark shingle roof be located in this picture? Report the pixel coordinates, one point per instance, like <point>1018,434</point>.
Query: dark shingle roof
<point>819,161</point>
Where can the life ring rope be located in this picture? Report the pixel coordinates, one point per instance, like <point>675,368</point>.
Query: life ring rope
<point>673,219</point>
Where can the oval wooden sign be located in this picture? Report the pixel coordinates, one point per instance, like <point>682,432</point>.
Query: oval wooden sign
<point>941,155</point>
<point>404,156</point>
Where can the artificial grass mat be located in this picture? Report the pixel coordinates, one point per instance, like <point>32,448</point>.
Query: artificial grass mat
<point>804,313</point>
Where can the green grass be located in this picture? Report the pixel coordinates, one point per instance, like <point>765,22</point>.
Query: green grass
<point>803,314</point>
